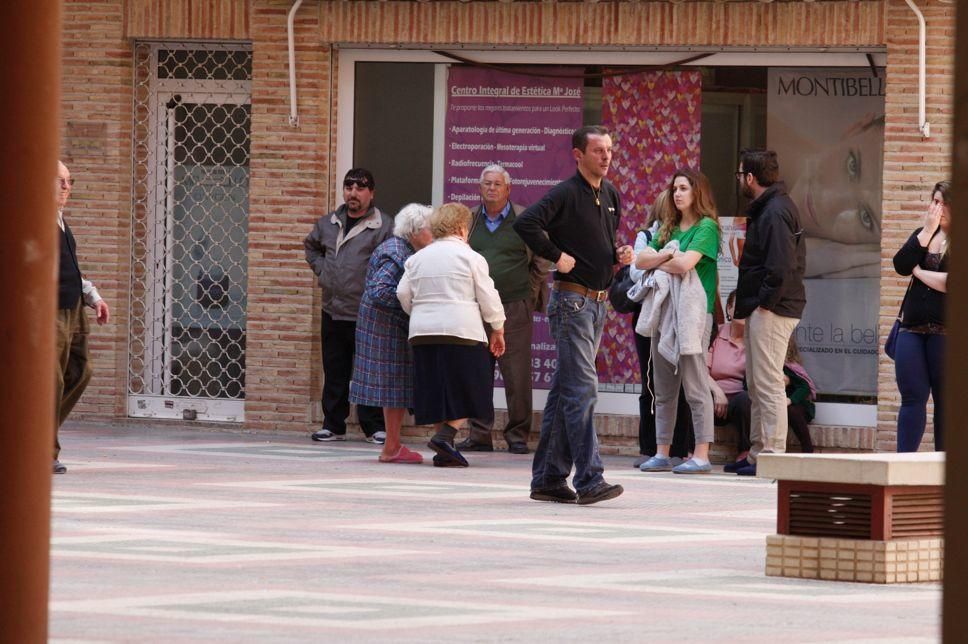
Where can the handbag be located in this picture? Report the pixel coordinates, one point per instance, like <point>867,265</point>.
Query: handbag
<point>890,346</point>
<point>618,292</point>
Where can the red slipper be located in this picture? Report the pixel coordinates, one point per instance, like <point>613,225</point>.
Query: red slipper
<point>403,455</point>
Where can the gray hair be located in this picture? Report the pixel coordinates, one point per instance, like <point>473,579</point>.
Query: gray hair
<point>496,168</point>
<point>411,219</point>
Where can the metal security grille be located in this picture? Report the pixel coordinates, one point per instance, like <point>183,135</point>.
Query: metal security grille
<point>189,231</point>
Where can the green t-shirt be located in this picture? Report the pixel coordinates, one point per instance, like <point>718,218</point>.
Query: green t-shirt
<point>702,237</point>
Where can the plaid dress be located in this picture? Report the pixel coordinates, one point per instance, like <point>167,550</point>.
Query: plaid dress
<point>383,366</point>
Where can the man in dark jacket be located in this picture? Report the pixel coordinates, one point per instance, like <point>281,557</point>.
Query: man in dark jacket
<point>73,369</point>
<point>338,249</point>
<point>770,295</point>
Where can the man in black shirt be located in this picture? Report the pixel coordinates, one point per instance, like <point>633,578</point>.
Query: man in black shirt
<point>574,227</point>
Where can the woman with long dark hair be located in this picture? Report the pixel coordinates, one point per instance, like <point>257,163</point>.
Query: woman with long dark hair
<point>920,346</point>
<point>694,229</point>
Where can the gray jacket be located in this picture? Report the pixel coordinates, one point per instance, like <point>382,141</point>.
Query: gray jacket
<point>675,307</point>
<point>340,261</point>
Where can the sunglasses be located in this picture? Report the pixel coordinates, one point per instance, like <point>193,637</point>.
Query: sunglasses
<point>362,184</point>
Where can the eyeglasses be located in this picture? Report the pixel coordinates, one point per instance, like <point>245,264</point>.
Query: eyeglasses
<point>362,184</point>
<point>63,183</point>
<point>740,174</point>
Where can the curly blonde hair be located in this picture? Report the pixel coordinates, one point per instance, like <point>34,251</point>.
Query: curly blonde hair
<point>450,219</point>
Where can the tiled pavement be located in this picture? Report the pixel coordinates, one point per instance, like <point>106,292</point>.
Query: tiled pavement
<point>168,534</point>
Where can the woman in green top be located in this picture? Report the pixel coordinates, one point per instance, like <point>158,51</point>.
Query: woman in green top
<point>694,224</point>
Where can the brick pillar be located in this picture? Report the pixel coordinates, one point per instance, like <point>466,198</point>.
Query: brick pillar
<point>30,83</point>
<point>955,619</point>
<point>288,192</point>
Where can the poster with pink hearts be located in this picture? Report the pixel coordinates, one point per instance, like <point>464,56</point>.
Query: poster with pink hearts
<point>655,120</point>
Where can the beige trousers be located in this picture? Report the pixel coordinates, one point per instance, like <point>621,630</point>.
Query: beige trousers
<point>767,335</point>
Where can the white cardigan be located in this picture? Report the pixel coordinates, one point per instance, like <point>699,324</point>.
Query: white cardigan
<point>447,290</point>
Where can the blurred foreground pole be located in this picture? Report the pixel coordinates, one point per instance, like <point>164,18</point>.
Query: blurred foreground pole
<point>29,106</point>
<point>955,608</point>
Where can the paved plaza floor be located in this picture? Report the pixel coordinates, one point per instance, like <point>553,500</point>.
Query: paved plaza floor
<point>168,534</point>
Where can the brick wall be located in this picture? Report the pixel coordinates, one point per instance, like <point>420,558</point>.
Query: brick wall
<point>289,191</point>
<point>912,164</point>
<point>291,183</point>
<point>95,144</point>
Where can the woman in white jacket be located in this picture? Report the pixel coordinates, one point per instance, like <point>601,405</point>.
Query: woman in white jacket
<point>695,227</point>
<point>449,295</point>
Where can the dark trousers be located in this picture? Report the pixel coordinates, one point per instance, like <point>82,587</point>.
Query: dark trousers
<point>918,365</point>
<point>72,371</point>
<point>515,367</point>
<point>339,345</point>
<point>740,411</point>
<point>683,437</point>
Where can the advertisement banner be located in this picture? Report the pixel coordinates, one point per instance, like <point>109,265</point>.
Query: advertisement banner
<point>523,123</point>
<point>827,127</point>
<point>655,120</point>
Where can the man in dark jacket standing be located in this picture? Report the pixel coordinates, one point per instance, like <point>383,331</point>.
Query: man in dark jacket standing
<point>770,294</point>
<point>338,249</point>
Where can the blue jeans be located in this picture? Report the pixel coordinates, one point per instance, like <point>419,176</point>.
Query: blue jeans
<point>918,364</point>
<point>567,432</point>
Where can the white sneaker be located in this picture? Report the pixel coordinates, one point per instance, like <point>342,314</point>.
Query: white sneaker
<point>326,436</point>
<point>378,437</point>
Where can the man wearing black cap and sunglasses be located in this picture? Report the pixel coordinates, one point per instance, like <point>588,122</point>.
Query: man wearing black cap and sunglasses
<point>338,249</point>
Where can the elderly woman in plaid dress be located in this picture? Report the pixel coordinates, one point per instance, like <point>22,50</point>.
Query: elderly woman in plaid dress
<point>383,367</point>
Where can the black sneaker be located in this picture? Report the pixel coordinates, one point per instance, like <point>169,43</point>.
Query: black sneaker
<point>563,494</point>
<point>732,468</point>
<point>470,446</point>
<point>601,492</point>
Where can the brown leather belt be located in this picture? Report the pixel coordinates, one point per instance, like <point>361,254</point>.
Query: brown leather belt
<point>598,296</point>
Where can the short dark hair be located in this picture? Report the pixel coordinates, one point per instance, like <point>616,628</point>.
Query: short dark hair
<point>762,164</point>
<point>579,138</point>
<point>362,176</point>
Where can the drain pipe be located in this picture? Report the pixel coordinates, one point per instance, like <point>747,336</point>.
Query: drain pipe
<point>290,24</point>
<point>923,124</point>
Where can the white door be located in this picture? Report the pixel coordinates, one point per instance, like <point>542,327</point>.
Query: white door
<point>190,235</point>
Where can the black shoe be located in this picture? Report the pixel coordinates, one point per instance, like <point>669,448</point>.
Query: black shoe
<point>749,470</point>
<point>563,494</point>
<point>59,468</point>
<point>469,445</point>
<point>735,467</point>
<point>518,448</point>
<point>447,451</point>
<point>446,461</point>
<point>601,492</point>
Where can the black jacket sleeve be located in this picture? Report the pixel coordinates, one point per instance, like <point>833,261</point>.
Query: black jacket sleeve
<point>780,238</point>
<point>910,255</point>
<point>531,224</point>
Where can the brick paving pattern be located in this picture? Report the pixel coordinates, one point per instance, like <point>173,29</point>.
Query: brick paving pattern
<point>174,534</point>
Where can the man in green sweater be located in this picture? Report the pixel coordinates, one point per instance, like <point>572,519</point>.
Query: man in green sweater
<point>521,279</point>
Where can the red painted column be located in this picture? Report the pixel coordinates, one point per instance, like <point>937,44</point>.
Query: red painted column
<point>30,87</point>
